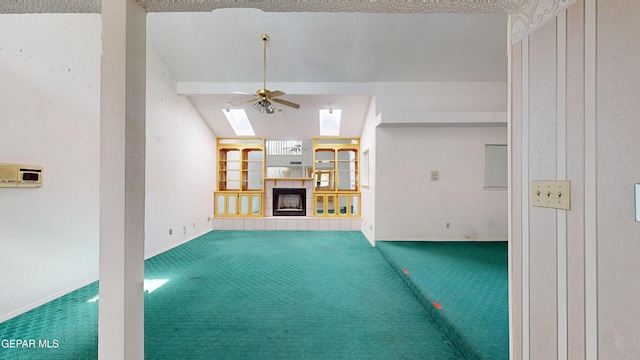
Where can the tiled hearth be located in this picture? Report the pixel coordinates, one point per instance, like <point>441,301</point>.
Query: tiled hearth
<point>287,223</point>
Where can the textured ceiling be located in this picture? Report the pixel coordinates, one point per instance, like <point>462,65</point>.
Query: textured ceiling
<point>380,6</point>
<point>424,6</point>
<point>49,6</point>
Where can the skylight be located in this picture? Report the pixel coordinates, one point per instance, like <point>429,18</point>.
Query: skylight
<point>330,122</point>
<point>239,121</point>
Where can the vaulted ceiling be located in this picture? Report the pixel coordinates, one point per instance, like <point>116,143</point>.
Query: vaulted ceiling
<point>319,52</point>
<point>312,56</point>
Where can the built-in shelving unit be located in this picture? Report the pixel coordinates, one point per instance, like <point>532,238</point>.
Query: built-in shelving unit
<point>240,186</point>
<point>336,190</point>
<point>333,188</point>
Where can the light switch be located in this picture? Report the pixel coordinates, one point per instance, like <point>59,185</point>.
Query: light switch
<point>554,194</point>
<point>435,175</point>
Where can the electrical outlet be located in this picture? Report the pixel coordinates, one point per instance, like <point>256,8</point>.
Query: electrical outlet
<point>554,194</point>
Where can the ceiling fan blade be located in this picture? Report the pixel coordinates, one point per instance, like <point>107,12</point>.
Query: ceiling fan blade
<point>288,103</point>
<point>276,93</point>
<point>244,102</point>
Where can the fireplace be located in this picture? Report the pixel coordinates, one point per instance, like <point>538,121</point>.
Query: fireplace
<point>289,202</point>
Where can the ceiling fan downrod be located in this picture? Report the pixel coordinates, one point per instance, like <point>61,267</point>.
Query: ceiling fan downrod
<point>265,39</point>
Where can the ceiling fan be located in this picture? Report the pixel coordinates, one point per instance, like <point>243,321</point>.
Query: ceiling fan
<point>266,97</point>
<point>297,148</point>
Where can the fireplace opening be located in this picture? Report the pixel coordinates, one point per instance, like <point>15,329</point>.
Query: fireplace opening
<point>289,202</point>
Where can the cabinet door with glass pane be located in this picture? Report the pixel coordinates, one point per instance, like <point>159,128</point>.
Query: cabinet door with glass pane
<point>336,177</point>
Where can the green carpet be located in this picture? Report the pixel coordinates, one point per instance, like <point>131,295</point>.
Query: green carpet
<point>469,281</point>
<point>65,328</point>
<point>286,295</point>
<point>255,295</point>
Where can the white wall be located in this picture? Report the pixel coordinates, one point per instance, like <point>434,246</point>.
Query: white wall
<point>618,168</point>
<point>50,66</point>
<point>439,97</point>
<point>409,206</point>
<point>368,192</point>
<point>181,163</point>
<point>575,87</point>
<point>49,96</point>
<point>437,126</point>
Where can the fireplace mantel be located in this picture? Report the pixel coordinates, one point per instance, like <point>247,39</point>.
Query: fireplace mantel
<point>275,180</point>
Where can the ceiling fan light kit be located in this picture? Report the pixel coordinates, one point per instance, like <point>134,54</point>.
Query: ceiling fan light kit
<point>265,106</point>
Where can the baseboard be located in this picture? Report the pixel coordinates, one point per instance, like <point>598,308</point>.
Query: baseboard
<point>174,245</point>
<point>449,240</point>
<point>47,299</point>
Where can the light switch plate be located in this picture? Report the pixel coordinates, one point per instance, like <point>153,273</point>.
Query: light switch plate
<point>554,194</point>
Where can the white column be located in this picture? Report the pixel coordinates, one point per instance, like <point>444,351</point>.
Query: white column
<point>525,191</point>
<point>510,249</point>
<point>590,178</point>
<point>122,169</point>
<point>561,174</point>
